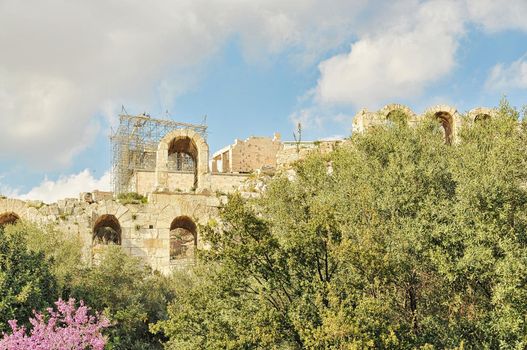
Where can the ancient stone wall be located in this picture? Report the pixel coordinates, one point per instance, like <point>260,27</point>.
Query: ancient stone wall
<point>144,229</point>
<point>246,156</point>
<point>448,117</point>
<point>294,151</point>
<point>226,183</point>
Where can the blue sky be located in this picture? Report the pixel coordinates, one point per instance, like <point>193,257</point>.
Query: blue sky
<point>253,67</point>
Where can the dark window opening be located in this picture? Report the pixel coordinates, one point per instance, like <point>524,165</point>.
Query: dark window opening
<point>183,238</point>
<point>8,218</point>
<point>107,230</point>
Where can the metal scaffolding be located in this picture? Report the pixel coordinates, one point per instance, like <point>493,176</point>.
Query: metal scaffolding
<point>134,145</point>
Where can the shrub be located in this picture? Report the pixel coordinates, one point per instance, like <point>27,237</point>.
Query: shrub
<point>131,198</point>
<point>66,328</point>
<point>26,280</point>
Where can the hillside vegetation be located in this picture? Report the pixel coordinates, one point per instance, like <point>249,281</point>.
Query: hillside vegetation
<point>394,241</point>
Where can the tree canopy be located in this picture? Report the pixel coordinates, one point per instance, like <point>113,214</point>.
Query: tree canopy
<point>395,240</point>
<point>26,280</point>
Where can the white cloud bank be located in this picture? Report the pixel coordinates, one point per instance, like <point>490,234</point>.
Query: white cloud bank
<point>495,16</point>
<point>63,63</point>
<point>400,61</point>
<point>69,186</point>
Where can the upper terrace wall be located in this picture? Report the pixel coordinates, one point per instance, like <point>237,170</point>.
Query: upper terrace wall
<point>448,117</point>
<point>144,182</point>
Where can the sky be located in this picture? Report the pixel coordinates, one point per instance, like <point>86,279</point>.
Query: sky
<point>253,67</point>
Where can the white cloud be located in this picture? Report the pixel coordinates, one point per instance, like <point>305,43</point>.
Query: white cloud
<point>69,186</point>
<point>496,15</point>
<point>504,78</point>
<point>399,61</point>
<point>64,63</point>
<point>308,118</point>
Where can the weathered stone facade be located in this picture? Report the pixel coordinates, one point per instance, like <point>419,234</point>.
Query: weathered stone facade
<point>244,156</point>
<point>144,229</point>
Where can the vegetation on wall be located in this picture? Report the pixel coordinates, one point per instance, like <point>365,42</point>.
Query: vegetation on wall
<point>131,198</point>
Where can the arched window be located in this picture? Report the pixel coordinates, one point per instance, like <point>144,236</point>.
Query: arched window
<point>446,121</point>
<point>481,117</point>
<point>8,218</point>
<point>183,238</point>
<point>397,117</point>
<point>107,230</point>
<point>182,156</point>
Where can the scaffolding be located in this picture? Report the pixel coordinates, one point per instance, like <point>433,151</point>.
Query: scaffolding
<point>134,145</point>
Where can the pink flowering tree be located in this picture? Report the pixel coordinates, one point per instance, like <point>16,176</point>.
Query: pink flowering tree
<point>67,327</point>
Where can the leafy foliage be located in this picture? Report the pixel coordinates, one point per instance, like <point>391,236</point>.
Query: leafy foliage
<point>129,294</point>
<point>42,265</point>
<point>26,281</point>
<point>63,251</point>
<point>131,198</point>
<point>396,240</point>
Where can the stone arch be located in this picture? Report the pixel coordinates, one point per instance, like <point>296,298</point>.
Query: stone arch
<point>8,218</point>
<point>107,230</point>
<point>181,142</point>
<point>481,113</point>
<point>447,117</point>
<point>390,110</point>
<point>182,154</point>
<point>183,239</point>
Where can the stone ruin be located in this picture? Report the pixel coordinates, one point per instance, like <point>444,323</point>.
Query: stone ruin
<point>447,116</point>
<point>169,163</point>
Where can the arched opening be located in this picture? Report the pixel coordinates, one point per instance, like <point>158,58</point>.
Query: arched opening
<point>397,117</point>
<point>481,117</point>
<point>446,121</point>
<point>8,218</point>
<point>107,230</point>
<point>183,239</point>
<point>183,156</point>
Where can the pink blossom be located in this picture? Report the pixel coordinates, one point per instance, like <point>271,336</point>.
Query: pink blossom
<point>67,328</point>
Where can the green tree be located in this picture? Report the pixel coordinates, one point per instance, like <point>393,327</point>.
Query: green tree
<point>129,294</point>
<point>64,251</point>
<point>395,240</point>
<point>26,281</point>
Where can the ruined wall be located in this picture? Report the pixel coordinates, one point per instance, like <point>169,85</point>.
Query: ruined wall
<point>254,153</point>
<point>181,182</point>
<point>226,183</point>
<point>245,156</point>
<point>447,116</point>
<point>143,181</point>
<point>145,228</point>
<point>294,151</point>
